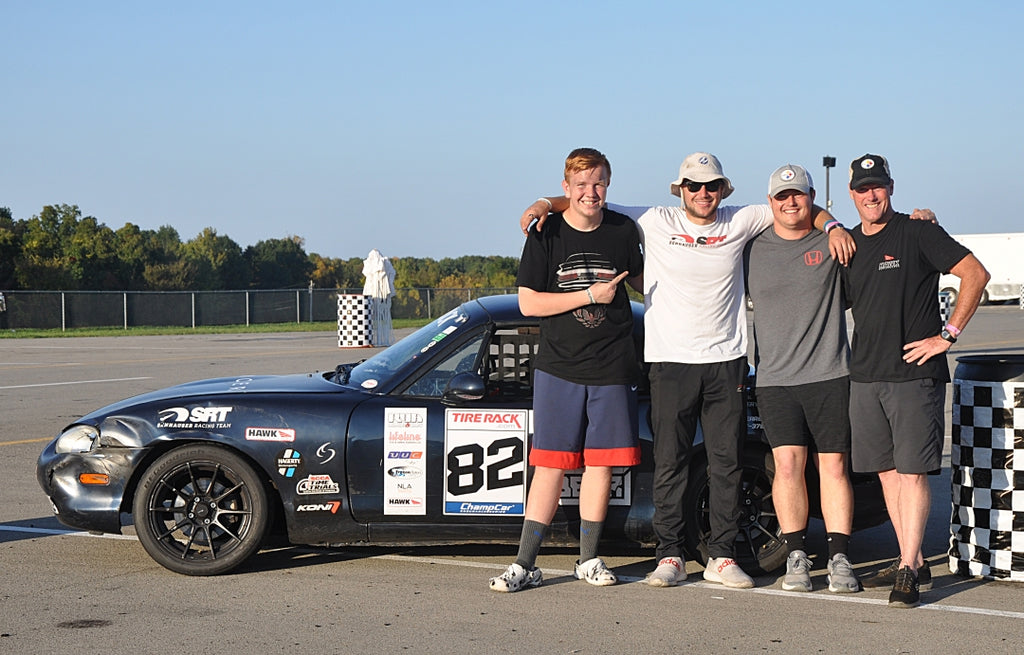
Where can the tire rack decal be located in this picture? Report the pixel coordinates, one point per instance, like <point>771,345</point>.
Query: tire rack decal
<point>485,461</point>
<point>405,460</point>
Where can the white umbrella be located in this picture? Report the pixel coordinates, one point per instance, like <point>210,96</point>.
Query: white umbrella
<point>380,285</point>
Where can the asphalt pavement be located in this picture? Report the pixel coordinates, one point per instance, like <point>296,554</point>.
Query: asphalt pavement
<point>64,591</point>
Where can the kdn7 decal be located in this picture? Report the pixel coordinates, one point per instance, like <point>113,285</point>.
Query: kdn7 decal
<point>485,461</point>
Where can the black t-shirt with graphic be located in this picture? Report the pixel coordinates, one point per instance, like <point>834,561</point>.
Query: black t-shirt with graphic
<point>593,344</point>
<point>892,284</point>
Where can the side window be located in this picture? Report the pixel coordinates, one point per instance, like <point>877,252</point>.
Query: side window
<point>433,382</point>
<point>510,359</point>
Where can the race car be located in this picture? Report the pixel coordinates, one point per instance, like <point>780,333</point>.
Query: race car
<point>423,443</point>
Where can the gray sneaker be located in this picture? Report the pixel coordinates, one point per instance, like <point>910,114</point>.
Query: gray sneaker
<point>671,570</point>
<point>726,571</point>
<point>841,577</point>
<point>798,572</point>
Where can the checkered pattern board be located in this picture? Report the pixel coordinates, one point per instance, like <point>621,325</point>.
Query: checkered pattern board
<point>355,322</point>
<point>945,307</point>
<point>987,523</point>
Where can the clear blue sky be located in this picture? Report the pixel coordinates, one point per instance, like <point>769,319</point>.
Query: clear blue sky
<point>423,129</point>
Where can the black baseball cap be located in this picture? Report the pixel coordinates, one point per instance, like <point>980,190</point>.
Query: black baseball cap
<point>869,169</point>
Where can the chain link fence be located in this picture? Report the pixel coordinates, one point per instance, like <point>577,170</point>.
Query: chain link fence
<point>81,309</point>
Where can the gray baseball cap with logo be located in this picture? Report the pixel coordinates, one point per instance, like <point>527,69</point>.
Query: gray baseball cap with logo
<point>790,176</point>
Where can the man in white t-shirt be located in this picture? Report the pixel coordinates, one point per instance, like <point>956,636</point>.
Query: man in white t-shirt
<point>696,343</point>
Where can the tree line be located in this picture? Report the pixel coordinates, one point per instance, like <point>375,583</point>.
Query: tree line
<point>59,249</point>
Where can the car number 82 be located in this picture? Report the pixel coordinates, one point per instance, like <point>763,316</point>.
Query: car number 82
<point>471,467</point>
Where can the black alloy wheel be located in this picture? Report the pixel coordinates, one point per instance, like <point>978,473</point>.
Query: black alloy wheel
<point>200,510</point>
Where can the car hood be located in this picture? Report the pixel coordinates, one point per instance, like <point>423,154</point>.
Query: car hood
<point>240,385</point>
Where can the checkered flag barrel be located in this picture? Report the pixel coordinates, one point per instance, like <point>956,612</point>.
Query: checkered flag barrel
<point>987,460</point>
<point>355,316</point>
<point>945,306</point>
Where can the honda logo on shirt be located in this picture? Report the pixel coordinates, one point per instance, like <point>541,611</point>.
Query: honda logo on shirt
<point>813,257</point>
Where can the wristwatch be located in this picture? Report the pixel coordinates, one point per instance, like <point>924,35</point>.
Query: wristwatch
<point>947,335</point>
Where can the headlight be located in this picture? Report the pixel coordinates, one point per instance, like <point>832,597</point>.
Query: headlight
<point>77,439</point>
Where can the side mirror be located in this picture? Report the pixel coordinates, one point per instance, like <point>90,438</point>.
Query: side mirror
<point>463,387</point>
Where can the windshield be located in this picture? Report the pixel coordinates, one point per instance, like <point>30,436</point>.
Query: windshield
<point>384,365</point>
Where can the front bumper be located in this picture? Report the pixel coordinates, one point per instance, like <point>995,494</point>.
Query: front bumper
<point>92,507</point>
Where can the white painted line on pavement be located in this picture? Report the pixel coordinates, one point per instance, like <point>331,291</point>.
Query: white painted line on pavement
<point>70,533</point>
<point>57,384</point>
<point>835,598</point>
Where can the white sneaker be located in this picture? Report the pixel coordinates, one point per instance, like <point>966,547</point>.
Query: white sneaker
<point>515,578</point>
<point>671,570</point>
<point>726,571</point>
<point>595,572</point>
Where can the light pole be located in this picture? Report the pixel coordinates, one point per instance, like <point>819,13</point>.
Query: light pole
<point>828,162</point>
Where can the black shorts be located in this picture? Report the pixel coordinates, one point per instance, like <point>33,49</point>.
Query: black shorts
<point>815,415</point>
<point>899,425</point>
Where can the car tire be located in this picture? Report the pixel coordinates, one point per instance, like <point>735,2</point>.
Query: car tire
<point>759,546</point>
<point>200,510</point>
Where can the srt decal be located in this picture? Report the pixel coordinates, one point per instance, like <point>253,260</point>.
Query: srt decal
<point>700,242</point>
<point>197,417</point>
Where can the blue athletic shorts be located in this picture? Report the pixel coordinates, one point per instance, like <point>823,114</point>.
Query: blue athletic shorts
<point>579,425</point>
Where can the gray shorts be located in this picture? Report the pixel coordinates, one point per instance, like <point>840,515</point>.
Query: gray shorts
<point>897,425</point>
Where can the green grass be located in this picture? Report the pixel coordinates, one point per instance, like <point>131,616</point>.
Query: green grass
<point>322,326</point>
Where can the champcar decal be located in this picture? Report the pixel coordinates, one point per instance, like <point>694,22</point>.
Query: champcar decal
<point>405,466</point>
<point>485,461</point>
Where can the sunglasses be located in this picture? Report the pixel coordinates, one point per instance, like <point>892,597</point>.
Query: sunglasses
<point>694,187</point>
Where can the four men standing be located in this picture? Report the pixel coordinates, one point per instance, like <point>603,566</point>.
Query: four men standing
<point>695,341</point>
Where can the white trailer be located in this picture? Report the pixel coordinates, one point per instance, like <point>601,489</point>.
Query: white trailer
<point>1003,255</point>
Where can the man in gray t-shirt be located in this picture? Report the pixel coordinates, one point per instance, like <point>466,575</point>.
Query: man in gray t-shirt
<point>802,355</point>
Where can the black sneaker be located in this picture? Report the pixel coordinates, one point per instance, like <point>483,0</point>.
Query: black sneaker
<point>886,578</point>
<point>905,592</point>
